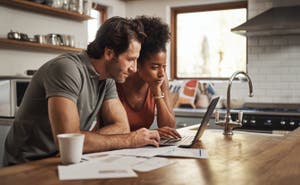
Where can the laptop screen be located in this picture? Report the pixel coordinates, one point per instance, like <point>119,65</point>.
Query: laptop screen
<point>206,118</point>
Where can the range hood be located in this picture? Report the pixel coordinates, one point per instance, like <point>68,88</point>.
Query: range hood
<point>275,21</point>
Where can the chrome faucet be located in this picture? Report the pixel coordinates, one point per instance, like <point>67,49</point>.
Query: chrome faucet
<point>227,122</point>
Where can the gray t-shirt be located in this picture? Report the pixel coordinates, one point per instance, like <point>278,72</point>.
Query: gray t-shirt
<point>69,75</point>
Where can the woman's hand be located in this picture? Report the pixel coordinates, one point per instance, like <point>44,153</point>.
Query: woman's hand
<point>156,88</point>
<point>168,132</point>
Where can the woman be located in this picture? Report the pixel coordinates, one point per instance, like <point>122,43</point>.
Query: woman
<point>148,88</point>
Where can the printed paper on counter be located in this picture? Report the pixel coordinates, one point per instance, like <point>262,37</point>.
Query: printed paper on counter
<point>187,153</point>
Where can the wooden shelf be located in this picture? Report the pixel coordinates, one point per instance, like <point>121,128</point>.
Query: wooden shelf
<point>44,9</point>
<point>24,45</point>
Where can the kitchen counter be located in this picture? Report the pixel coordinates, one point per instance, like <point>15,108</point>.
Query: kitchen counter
<point>187,112</point>
<point>244,158</point>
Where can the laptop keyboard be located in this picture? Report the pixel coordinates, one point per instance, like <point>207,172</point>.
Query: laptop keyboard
<point>184,140</point>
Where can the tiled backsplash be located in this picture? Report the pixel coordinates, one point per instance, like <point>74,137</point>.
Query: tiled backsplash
<point>273,63</point>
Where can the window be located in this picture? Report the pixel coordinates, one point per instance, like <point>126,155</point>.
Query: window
<point>203,45</point>
<point>99,14</point>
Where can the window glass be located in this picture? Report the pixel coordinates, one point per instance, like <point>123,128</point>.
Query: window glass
<point>205,45</point>
<point>93,24</point>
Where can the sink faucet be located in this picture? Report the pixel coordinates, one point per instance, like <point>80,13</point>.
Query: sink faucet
<point>227,122</point>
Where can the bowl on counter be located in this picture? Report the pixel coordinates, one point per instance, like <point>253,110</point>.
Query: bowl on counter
<point>234,103</point>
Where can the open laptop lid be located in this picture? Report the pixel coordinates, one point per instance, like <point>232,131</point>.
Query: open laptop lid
<point>205,120</point>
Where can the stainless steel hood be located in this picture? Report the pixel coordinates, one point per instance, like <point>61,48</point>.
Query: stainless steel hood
<point>275,21</point>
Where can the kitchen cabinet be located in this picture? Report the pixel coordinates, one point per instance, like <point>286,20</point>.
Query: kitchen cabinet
<point>5,125</point>
<point>185,121</point>
<point>44,9</point>
<point>187,117</point>
<point>274,121</point>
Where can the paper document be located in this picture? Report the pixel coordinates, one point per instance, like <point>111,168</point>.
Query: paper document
<point>137,163</point>
<point>188,153</point>
<point>93,170</point>
<point>172,151</point>
<point>143,152</point>
<point>152,164</point>
<point>111,166</point>
<point>121,163</point>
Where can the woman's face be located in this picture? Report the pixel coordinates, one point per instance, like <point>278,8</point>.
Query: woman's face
<point>153,69</point>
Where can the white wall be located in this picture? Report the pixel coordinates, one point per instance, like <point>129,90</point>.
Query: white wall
<point>15,62</point>
<point>273,62</point>
<point>115,7</point>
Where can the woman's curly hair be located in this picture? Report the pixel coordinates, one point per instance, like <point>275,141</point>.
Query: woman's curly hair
<point>158,34</point>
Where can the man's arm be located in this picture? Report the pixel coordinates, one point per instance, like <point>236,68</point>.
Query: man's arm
<point>114,116</point>
<point>64,118</point>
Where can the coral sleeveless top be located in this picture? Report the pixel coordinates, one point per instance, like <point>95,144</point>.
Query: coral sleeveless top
<point>142,118</point>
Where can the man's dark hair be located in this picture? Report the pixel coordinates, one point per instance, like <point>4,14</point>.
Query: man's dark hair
<point>158,34</point>
<point>116,34</point>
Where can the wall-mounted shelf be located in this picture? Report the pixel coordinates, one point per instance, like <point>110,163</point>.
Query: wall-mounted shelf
<point>24,45</point>
<point>44,9</point>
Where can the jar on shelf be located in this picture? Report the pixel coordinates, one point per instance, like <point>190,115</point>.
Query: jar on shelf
<point>57,3</point>
<point>65,4</point>
<point>76,6</point>
<point>87,6</point>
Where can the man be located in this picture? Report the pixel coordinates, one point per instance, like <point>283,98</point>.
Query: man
<point>67,92</point>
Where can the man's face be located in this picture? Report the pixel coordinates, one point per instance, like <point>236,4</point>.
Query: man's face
<point>126,63</point>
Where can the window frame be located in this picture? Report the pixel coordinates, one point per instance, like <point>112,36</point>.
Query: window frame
<point>102,9</point>
<point>189,9</point>
<point>102,18</point>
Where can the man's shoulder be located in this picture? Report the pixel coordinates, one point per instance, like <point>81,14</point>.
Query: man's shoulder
<point>110,82</point>
<point>66,62</point>
<point>69,58</point>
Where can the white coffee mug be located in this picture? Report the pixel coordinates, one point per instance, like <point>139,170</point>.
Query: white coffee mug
<point>70,147</point>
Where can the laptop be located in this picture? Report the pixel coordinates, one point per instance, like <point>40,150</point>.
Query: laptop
<point>188,141</point>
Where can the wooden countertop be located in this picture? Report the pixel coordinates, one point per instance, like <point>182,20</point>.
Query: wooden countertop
<point>243,158</point>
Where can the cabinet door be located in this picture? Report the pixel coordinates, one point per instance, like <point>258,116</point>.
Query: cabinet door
<point>3,132</point>
<point>186,121</point>
<point>182,121</point>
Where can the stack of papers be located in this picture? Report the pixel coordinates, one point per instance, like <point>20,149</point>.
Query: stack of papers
<point>141,152</point>
<point>123,163</point>
<point>187,153</point>
<point>93,170</point>
<point>111,166</point>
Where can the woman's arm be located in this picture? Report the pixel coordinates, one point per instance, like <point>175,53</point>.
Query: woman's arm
<point>165,115</point>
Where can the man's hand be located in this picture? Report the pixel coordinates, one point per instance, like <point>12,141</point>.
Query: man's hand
<point>168,132</point>
<point>144,137</point>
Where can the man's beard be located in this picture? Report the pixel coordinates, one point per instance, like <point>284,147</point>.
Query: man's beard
<point>117,72</point>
